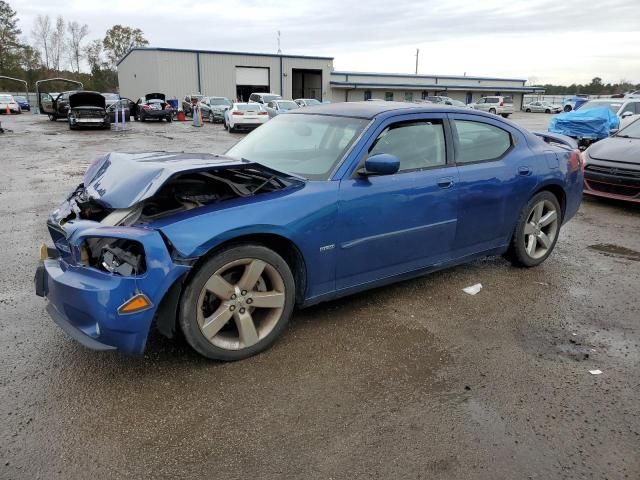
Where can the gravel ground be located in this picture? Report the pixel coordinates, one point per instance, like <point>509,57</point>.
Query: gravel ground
<point>416,380</point>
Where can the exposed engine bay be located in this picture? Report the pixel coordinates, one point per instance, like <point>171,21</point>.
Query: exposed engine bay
<point>183,192</point>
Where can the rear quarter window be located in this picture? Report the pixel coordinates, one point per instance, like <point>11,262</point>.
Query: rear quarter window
<point>479,142</point>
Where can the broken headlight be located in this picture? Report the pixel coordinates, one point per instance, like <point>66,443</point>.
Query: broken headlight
<point>118,256</point>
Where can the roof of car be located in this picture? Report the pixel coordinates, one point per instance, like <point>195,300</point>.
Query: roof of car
<point>371,109</point>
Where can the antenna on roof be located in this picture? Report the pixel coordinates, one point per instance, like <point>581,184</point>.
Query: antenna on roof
<point>279,49</point>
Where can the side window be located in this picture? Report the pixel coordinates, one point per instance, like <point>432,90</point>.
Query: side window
<point>416,144</point>
<point>479,142</point>
<point>635,107</point>
<point>480,101</point>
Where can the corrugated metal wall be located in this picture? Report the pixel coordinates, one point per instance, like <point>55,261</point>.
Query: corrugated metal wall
<point>176,73</point>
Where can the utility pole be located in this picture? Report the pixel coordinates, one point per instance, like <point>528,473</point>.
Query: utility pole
<point>417,56</point>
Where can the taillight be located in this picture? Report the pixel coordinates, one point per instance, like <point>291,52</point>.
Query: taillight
<point>502,103</point>
<point>237,113</point>
<point>576,161</point>
<point>263,113</point>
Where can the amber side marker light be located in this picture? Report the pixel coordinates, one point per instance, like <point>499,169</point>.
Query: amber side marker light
<point>135,304</point>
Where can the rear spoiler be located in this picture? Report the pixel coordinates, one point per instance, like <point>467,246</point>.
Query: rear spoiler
<point>557,139</point>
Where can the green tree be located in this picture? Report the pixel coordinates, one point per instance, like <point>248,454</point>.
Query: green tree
<point>119,40</point>
<point>9,45</point>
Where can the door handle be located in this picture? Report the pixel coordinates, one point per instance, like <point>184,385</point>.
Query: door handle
<point>445,182</point>
<point>524,171</point>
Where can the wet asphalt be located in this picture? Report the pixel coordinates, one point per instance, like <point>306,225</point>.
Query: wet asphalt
<point>415,380</point>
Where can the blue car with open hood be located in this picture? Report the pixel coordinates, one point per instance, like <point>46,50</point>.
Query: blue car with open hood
<point>317,204</point>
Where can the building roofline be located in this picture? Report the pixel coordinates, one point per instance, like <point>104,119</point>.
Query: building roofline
<point>457,77</point>
<point>220,52</point>
<point>435,86</point>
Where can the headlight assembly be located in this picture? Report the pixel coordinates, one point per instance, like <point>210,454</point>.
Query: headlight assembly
<point>117,256</point>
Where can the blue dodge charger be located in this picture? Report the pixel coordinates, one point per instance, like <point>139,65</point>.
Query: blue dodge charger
<point>324,202</point>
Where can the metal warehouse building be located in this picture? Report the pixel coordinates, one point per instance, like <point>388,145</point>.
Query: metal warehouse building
<point>178,72</point>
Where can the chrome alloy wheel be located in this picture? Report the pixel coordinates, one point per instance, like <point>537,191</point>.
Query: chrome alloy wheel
<point>249,291</point>
<point>541,229</point>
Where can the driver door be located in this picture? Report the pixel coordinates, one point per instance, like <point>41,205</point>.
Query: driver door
<point>393,224</point>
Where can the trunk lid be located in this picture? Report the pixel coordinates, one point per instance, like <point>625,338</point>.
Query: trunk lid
<point>155,96</point>
<point>87,99</point>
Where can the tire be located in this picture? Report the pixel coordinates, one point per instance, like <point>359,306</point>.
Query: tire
<point>547,111</point>
<point>206,318</point>
<point>211,119</point>
<point>520,253</point>
<point>492,110</point>
<point>528,110</point>
<point>567,108</point>
<point>169,119</point>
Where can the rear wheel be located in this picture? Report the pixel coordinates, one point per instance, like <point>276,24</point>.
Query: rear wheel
<point>547,111</point>
<point>537,231</point>
<point>237,303</point>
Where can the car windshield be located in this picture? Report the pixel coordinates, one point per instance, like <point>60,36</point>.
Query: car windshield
<point>220,101</point>
<point>288,105</point>
<point>5,98</point>
<point>268,98</point>
<point>312,101</point>
<point>630,131</point>
<point>20,99</point>
<point>613,106</point>
<point>306,145</point>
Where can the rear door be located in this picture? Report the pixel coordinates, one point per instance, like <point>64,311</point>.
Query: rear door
<point>495,176</point>
<point>392,224</point>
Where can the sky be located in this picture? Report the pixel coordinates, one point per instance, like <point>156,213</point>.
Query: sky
<point>545,41</point>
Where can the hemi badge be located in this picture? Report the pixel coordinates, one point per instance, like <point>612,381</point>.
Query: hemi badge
<point>328,247</point>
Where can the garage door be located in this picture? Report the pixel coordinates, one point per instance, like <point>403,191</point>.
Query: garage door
<point>252,76</point>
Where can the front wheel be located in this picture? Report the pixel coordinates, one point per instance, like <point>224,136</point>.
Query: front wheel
<point>547,111</point>
<point>492,110</point>
<point>567,108</point>
<point>536,231</point>
<point>237,303</point>
<point>528,110</point>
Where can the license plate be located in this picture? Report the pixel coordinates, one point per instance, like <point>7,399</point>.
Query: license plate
<point>89,120</point>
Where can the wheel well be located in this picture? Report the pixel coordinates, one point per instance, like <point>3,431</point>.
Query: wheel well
<point>279,244</point>
<point>167,316</point>
<point>559,193</point>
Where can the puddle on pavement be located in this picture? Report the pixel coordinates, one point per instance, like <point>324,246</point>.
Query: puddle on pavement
<point>612,250</point>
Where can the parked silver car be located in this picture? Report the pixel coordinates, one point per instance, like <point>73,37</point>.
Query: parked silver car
<point>276,107</point>
<point>542,107</point>
<point>307,102</point>
<point>495,104</point>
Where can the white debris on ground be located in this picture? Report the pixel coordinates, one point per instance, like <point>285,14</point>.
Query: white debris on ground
<point>595,372</point>
<point>473,289</point>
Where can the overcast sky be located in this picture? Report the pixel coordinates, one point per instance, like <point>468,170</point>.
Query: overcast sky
<point>549,41</point>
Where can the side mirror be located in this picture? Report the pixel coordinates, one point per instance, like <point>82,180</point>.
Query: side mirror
<point>626,114</point>
<point>381,164</point>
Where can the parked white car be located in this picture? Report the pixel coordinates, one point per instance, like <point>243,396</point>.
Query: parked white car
<point>263,98</point>
<point>496,105</point>
<point>7,100</point>
<point>245,116</point>
<point>542,107</point>
<point>628,109</point>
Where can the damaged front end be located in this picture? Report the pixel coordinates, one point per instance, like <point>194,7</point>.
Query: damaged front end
<point>108,254</point>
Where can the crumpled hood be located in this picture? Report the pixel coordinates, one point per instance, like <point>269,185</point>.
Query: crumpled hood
<point>120,180</point>
<point>86,99</point>
<point>616,149</point>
